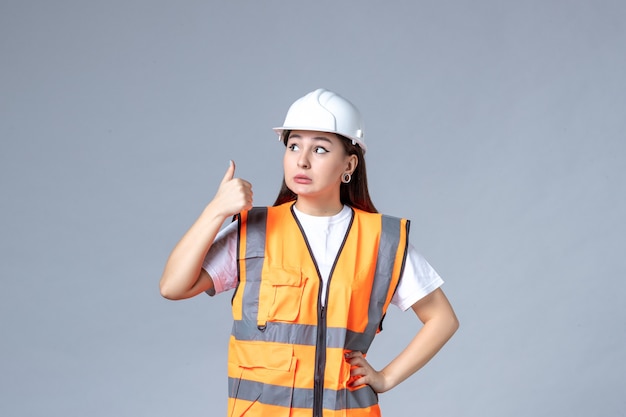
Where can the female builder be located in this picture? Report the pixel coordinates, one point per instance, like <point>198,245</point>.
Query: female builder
<point>312,276</point>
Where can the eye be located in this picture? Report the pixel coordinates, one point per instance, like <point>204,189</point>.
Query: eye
<point>293,147</point>
<point>320,149</point>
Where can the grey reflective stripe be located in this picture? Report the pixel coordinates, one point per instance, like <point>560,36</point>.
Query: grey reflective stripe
<point>270,394</point>
<point>300,397</point>
<point>255,236</point>
<point>299,334</point>
<point>387,249</point>
<point>346,399</point>
<point>255,251</point>
<point>385,260</point>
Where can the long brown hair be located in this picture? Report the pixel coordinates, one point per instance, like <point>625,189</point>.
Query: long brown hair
<point>354,194</point>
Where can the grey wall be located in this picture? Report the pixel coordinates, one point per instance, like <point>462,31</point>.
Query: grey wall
<point>497,127</point>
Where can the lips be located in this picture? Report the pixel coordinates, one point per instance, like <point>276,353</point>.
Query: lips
<point>302,179</point>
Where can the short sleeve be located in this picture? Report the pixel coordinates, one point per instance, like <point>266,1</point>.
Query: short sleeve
<point>418,280</point>
<point>220,261</point>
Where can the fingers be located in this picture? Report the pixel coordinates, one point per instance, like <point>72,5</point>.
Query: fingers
<point>359,368</point>
<point>356,381</point>
<point>362,373</point>
<point>353,354</point>
<point>230,172</point>
<point>247,195</point>
<point>239,194</point>
<point>358,376</point>
<point>234,194</point>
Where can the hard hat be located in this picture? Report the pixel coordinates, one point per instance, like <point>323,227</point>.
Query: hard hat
<point>324,111</point>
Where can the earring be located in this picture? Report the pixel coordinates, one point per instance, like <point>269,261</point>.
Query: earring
<point>346,178</point>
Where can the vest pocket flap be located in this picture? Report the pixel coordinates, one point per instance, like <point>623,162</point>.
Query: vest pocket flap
<point>290,277</point>
<point>263,355</point>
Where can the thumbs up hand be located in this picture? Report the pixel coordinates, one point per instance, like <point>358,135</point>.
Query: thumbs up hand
<point>234,194</point>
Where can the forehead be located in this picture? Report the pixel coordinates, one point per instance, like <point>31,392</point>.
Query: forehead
<point>314,135</point>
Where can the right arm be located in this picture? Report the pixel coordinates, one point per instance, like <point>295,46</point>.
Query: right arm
<point>183,275</point>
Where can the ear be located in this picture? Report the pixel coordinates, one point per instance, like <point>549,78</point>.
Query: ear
<point>353,161</point>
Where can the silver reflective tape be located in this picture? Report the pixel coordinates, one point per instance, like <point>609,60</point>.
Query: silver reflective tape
<point>290,333</point>
<point>300,397</point>
<point>300,334</point>
<point>347,399</point>
<point>387,248</point>
<point>255,237</point>
<point>255,252</point>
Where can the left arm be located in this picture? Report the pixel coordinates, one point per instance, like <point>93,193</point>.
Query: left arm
<point>440,323</point>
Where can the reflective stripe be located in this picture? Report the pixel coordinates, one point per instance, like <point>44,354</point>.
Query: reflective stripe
<point>255,236</point>
<point>349,399</point>
<point>301,334</point>
<point>387,248</point>
<point>300,397</point>
<point>255,251</point>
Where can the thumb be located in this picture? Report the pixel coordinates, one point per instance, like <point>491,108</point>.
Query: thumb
<point>230,172</point>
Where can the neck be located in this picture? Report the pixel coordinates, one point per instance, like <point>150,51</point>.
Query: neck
<point>318,208</point>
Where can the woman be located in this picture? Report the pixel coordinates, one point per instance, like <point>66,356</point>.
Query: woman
<point>312,275</point>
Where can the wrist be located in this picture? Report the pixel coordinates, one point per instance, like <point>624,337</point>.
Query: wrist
<point>212,212</point>
<point>389,381</point>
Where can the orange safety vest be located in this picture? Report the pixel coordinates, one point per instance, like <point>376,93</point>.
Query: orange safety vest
<point>286,351</point>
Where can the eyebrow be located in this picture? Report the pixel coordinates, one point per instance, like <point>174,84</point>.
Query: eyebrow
<point>318,138</point>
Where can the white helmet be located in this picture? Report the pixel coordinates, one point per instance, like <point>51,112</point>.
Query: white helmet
<point>325,111</point>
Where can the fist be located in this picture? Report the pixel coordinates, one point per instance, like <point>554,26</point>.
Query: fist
<point>234,194</point>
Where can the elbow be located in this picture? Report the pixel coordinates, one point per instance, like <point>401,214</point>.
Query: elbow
<point>456,324</point>
<point>175,288</point>
<point>453,324</point>
<point>172,296</point>
<point>165,293</point>
<point>168,292</point>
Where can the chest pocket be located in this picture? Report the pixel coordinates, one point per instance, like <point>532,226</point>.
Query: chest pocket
<point>284,291</point>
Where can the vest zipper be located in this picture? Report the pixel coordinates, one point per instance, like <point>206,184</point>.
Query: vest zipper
<point>320,343</point>
<point>320,363</point>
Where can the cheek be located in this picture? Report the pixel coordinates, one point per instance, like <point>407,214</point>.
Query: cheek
<point>339,167</point>
<point>288,162</point>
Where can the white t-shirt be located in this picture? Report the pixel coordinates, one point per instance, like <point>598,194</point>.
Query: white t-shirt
<point>324,235</point>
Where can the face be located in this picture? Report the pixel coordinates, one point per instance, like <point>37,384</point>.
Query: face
<point>314,164</point>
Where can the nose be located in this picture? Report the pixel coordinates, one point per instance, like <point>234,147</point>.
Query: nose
<point>303,161</point>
